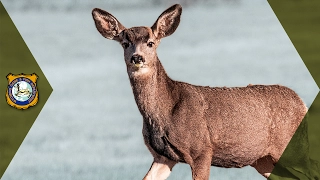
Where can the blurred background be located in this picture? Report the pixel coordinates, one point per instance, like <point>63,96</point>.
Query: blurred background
<point>74,5</point>
<point>90,128</point>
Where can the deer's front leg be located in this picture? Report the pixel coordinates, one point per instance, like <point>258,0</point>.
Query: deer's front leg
<point>201,166</point>
<point>160,169</point>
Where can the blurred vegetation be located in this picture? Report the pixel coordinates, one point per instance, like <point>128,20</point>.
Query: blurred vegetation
<point>301,21</point>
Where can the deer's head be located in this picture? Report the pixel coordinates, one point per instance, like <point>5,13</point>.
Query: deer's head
<point>139,43</point>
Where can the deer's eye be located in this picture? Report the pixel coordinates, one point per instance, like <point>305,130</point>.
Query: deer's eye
<point>150,44</point>
<point>125,45</point>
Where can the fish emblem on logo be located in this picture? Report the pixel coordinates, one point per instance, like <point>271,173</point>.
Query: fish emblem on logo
<point>22,91</point>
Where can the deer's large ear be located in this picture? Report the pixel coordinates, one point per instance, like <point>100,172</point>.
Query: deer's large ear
<point>167,22</point>
<point>108,26</point>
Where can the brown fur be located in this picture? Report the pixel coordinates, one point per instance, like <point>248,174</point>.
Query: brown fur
<point>201,126</point>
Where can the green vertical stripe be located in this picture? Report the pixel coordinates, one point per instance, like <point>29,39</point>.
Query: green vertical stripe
<point>16,58</point>
<point>301,21</point>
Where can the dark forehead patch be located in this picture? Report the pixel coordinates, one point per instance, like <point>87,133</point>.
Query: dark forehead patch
<point>137,34</point>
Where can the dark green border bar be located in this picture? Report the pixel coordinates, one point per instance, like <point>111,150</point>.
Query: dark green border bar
<point>301,21</point>
<point>16,58</point>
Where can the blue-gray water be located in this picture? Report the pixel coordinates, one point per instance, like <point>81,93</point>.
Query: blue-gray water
<point>90,128</point>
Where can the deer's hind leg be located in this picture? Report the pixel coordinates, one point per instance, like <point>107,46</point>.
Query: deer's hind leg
<point>264,165</point>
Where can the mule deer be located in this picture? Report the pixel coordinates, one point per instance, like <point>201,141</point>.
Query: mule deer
<point>197,125</point>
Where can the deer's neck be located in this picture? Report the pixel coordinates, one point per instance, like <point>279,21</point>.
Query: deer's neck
<point>154,93</point>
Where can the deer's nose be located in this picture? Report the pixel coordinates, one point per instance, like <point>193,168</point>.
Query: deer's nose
<point>137,59</point>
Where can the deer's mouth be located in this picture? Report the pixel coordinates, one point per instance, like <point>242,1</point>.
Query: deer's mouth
<point>137,63</point>
<point>136,69</point>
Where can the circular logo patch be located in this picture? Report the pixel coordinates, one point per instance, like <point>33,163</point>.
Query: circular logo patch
<point>22,91</point>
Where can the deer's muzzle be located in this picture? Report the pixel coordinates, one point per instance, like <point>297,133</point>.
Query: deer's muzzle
<point>137,59</point>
